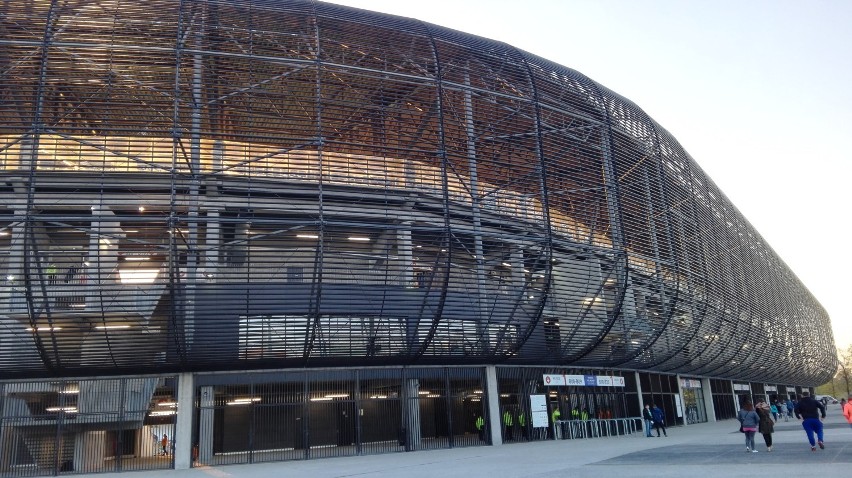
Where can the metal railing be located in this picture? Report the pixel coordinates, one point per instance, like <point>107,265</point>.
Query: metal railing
<point>596,427</point>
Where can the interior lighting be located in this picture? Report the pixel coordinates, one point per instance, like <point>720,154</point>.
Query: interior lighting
<point>138,276</point>
<point>43,329</point>
<point>244,401</point>
<point>141,208</point>
<point>338,395</point>
<point>167,404</point>
<point>322,399</point>
<point>61,409</point>
<point>112,327</point>
<point>307,236</point>
<point>137,258</point>
<point>70,391</point>
<point>592,300</point>
<point>163,413</point>
<point>506,264</point>
<point>4,233</point>
<point>359,238</point>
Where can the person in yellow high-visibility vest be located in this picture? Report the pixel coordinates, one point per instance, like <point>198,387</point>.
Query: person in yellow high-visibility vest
<point>555,415</point>
<point>522,422</point>
<point>480,427</point>
<point>508,422</point>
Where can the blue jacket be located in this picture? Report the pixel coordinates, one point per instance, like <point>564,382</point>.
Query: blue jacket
<point>658,415</point>
<point>748,418</point>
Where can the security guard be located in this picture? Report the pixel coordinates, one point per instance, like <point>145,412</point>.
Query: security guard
<point>555,415</point>
<point>508,422</point>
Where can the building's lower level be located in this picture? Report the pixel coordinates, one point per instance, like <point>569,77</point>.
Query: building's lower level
<point>100,424</point>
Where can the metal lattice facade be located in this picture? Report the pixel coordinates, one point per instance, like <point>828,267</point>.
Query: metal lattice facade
<point>212,185</point>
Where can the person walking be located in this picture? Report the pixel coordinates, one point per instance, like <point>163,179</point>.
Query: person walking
<point>649,419</point>
<point>165,444</point>
<point>809,410</point>
<point>749,421</point>
<point>847,410</point>
<point>766,426</point>
<point>659,419</point>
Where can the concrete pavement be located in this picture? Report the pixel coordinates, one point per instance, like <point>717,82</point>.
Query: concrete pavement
<point>707,449</point>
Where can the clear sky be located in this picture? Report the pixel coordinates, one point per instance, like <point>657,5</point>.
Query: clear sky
<point>758,92</point>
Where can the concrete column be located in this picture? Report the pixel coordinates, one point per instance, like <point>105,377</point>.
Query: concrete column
<point>708,400</point>
<point>89,451</point>
<point>639,391</point>
<point>517,261</point>
<point>405,253</point>
<point>205,426</point>
<point>411,414</point>
<point>492,395</point>
<point>682,401</point>
<point>182,440</point>
<point>212,243</point>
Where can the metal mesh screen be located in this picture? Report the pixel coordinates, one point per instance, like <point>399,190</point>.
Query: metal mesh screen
<point>207,185</point>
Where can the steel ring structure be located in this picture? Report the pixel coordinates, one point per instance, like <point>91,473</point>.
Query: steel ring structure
<point>235,185</point>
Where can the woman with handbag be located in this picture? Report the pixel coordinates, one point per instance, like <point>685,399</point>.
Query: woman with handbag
<point>749,420</point>
<point>766,426</point>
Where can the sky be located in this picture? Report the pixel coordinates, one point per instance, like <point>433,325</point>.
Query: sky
<point>758,92</point>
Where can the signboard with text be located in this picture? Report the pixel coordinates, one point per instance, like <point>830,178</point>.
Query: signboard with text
<point>555,380</point>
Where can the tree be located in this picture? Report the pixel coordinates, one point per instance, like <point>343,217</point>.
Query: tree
<point>844,368</point>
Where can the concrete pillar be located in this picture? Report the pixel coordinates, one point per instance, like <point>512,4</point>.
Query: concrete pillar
<point>89,449</point>
<point>517,273</point>
<point>492,395</point>
<point>205,426</point>
<point>212,240</point>
<point>639,391</point>
<point>680,398</point>
<point>405,254</point>
<point>411,414</point>
<point>708,400</point>
<point>182,439</point>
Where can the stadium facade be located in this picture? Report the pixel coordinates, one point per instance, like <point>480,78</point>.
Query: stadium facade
<point>280,229</point>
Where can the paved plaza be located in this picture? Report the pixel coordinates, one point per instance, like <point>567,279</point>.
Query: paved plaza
<point>703,450</point>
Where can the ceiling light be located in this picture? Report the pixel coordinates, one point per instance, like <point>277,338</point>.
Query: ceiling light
<point>141,208</point>
<point>359,238</point>
<point>61,409</point>
<point>43,329</point>
<point>506,264</point>
<point>137,258</point>
<point>138,276</point>
<point>112,327</point>
<point>307,236</point>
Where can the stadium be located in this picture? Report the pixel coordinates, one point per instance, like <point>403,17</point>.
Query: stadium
<point>286,229</point>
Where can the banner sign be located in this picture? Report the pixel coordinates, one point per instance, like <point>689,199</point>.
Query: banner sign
<point>690,383</point>
<point>551,380</point>
<point>771,388</point>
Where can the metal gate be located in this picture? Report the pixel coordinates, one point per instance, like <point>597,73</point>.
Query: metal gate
<point>303,415</point>
<point>86,426</point>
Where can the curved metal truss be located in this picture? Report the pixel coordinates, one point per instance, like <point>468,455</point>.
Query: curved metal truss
<point>207,185</point>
